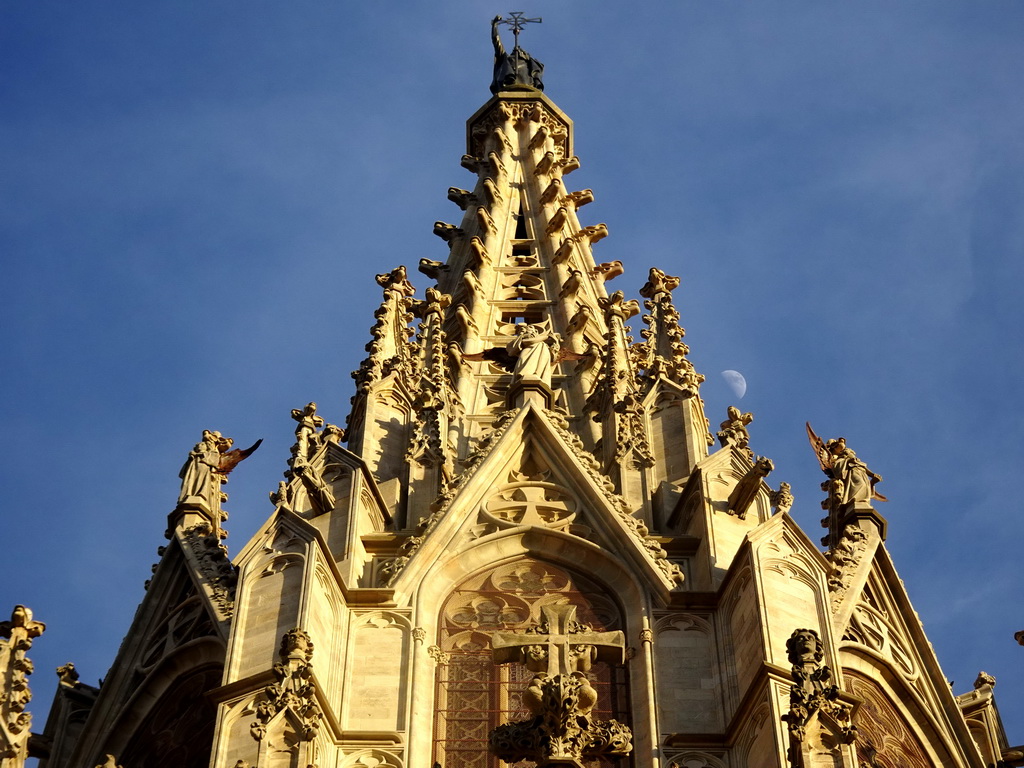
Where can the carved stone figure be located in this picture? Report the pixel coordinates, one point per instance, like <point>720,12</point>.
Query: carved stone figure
<point>207,468</point>
<point>983,679</point>
<point>534,349</point>
<point>531,355</point>
<point>562,732</point>
<point>306,436</point>
<point>68,675</point>
<point>199,480</point>
<point>852,480</point>
<point>746,489</point>
<point>517,68</point>
<point>812,694</point>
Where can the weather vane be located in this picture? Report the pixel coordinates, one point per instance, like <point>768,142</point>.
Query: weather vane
<point>517,20</point>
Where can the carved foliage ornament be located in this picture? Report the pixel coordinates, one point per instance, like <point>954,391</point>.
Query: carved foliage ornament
<point>294,690</point>
<point>214,564</point>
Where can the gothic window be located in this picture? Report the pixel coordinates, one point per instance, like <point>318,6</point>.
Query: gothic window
<point>178,731</point>
<point>884,738</point>
<point>473,694</point>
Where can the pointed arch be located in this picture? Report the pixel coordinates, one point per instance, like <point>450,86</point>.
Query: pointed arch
<point>887,739</point>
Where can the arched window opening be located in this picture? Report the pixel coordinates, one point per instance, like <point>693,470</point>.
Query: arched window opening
<point>473,694</point>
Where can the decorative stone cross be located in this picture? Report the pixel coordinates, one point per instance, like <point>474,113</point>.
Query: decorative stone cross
<point>562,731</point>
<point>560,645</point>
<point>530,505</point>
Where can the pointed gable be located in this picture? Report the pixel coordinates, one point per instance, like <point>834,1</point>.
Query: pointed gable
<point>530,474</point>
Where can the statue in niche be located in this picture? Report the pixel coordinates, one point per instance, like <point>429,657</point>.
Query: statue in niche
<point>207,468</point>
<point>530,356</point>
<point>852,481</point>
<point>534,348</point>
<point>517,68</point>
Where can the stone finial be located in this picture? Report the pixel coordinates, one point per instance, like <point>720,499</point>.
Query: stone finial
<point>21,625</point>
<point>663,352</point>
<point>984,679</point>
<point>733,431</point>
<point>109,762</point>
<point>68,675</point>
<point>389,348</point>
<point>658,283</point>
<point>782,499</point>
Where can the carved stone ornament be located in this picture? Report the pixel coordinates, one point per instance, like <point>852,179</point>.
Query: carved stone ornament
<point>214,564</point>
<point>207,468</point>
<point>984,679</point>
<point>68,676</point>
<point>562,732</point>
<point>16,638</point>
<point>746,489</point>
<point>439,656</point>
<point>294,690</point>
<point>782,499</point>
<point>663,352</point>
<point>812,695</point>
<point>109,762</point>
<point>845,557</point>
<point>851,480</point>
<point>733,431</point>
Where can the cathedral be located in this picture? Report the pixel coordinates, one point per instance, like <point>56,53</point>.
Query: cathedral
<point>528,545</point>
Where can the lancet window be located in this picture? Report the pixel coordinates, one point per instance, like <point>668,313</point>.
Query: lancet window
<point>473,694</point>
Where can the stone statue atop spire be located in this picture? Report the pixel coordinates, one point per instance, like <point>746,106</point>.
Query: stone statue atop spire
<point>518,68</point>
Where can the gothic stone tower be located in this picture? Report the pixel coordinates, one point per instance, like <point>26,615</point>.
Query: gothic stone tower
<point>525,544</point>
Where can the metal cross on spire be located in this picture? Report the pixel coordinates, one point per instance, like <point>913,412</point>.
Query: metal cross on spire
<point>516,20</point>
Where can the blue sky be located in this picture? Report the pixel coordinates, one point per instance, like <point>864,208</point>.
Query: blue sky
<point>194,198</point>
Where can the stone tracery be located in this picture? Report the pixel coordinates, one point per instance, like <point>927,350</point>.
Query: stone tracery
<point>473,694</point>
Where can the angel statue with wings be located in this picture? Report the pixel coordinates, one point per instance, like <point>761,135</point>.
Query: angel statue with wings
<point>852,481</point>
<point>207,468</point>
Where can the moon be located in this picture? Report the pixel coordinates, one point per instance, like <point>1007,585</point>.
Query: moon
<point>736,383</point>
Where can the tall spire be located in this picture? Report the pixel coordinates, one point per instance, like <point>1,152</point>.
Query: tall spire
<point>520,312</point>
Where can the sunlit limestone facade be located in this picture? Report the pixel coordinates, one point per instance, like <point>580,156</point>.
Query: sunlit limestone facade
<point>515,450</point>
